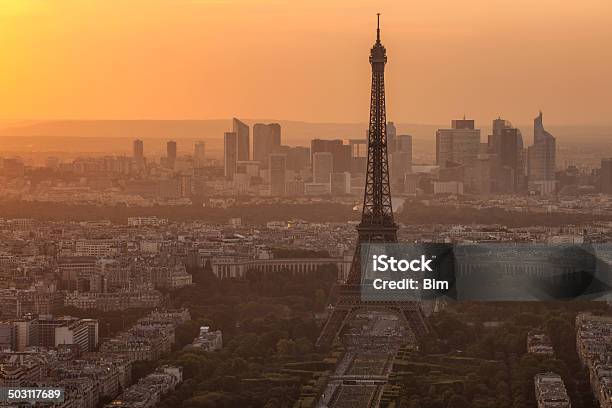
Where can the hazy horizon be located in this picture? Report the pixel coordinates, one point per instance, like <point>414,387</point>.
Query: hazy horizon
<point>193,59</point>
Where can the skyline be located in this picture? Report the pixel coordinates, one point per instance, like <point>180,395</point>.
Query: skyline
<point>305,62</point>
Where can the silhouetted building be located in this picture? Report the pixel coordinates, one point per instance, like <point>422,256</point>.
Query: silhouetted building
<point>400,161</point>
<point>359,155</point>
<point>230,153</point>
<point>499,124</point>
<point>479,175</point>
<point>199,154</point>
<point>138,152</point>
<point>391,138</point>
<point>243,140</point>
<point>340,183</point>
<point>460,144</point>
<point>462,124</point>
<point>277,168</point>
<point>298,158</point>
<point>322,167</point>
<point>171,154</point>
<point>265,139</point>
<point>341,153</point>
<point>541,159</point>
<point>506,144</point>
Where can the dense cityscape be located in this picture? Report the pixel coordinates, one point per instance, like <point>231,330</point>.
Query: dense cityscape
<point>205,280</point>
<point>130,255</point>
<point>327,169</point>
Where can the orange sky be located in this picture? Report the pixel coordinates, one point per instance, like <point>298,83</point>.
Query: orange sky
<point>305,60</point>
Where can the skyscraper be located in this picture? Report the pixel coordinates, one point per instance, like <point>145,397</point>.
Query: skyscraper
<point>275,131</point>
<point>400,161</point>
<point>359,155</point>
<point>230,152</point>
<point>391,137</point>
<point>171,154</point>
<point>458,145</point>
<point>265,139</point>
<point>298,158</point>
<point>138,152</point>
<point>340,183</point>
<point>506,144</point>
<point>541,159</point>
<point>404,144</point>
<point>199,154</point>
<point>277,167</point>
<point>244,144</point>
<point>322,167</point>
<point>340,152</point>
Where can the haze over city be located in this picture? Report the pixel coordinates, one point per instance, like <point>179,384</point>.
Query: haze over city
<point>212,59</point>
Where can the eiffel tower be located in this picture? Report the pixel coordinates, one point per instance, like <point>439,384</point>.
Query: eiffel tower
<point>377,224</point>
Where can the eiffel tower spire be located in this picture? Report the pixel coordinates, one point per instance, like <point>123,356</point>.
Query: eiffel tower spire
<point>378,28</point>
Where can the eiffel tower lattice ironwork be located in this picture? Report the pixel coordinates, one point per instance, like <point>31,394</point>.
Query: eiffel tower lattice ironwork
<point>377,224</point>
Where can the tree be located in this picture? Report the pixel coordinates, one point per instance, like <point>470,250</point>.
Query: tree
<point>286,347</point>
<point>458,401</point>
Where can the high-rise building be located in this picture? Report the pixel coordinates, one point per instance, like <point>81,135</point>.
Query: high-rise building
<point>317,146</point>
<point>391,138</point>
<point>250,168</point>
<point>242,134</point>
<point>340,152</point>
<point>459,145</point>
<point>265,139</point>
<point>359,155</point>
<point>277,167</point>
<point>479,175</point>
<point>27,332</point>
<point>511,148</point>
<point>462,124</point>
<point>404,143</point>
<point>400,161</point>
<point>138,152</point>
<point>605,176</point>
<point>322,167</point>
<point>506,146</point>
<point>82,332</point>
<point>230,152</point>
<point>340,183</point>
<point>298,158</point>
<point>499,124</point>
<point>171,153</point>
<point>275,132</point>
<point>199,154</point>
<point>541,159</point>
